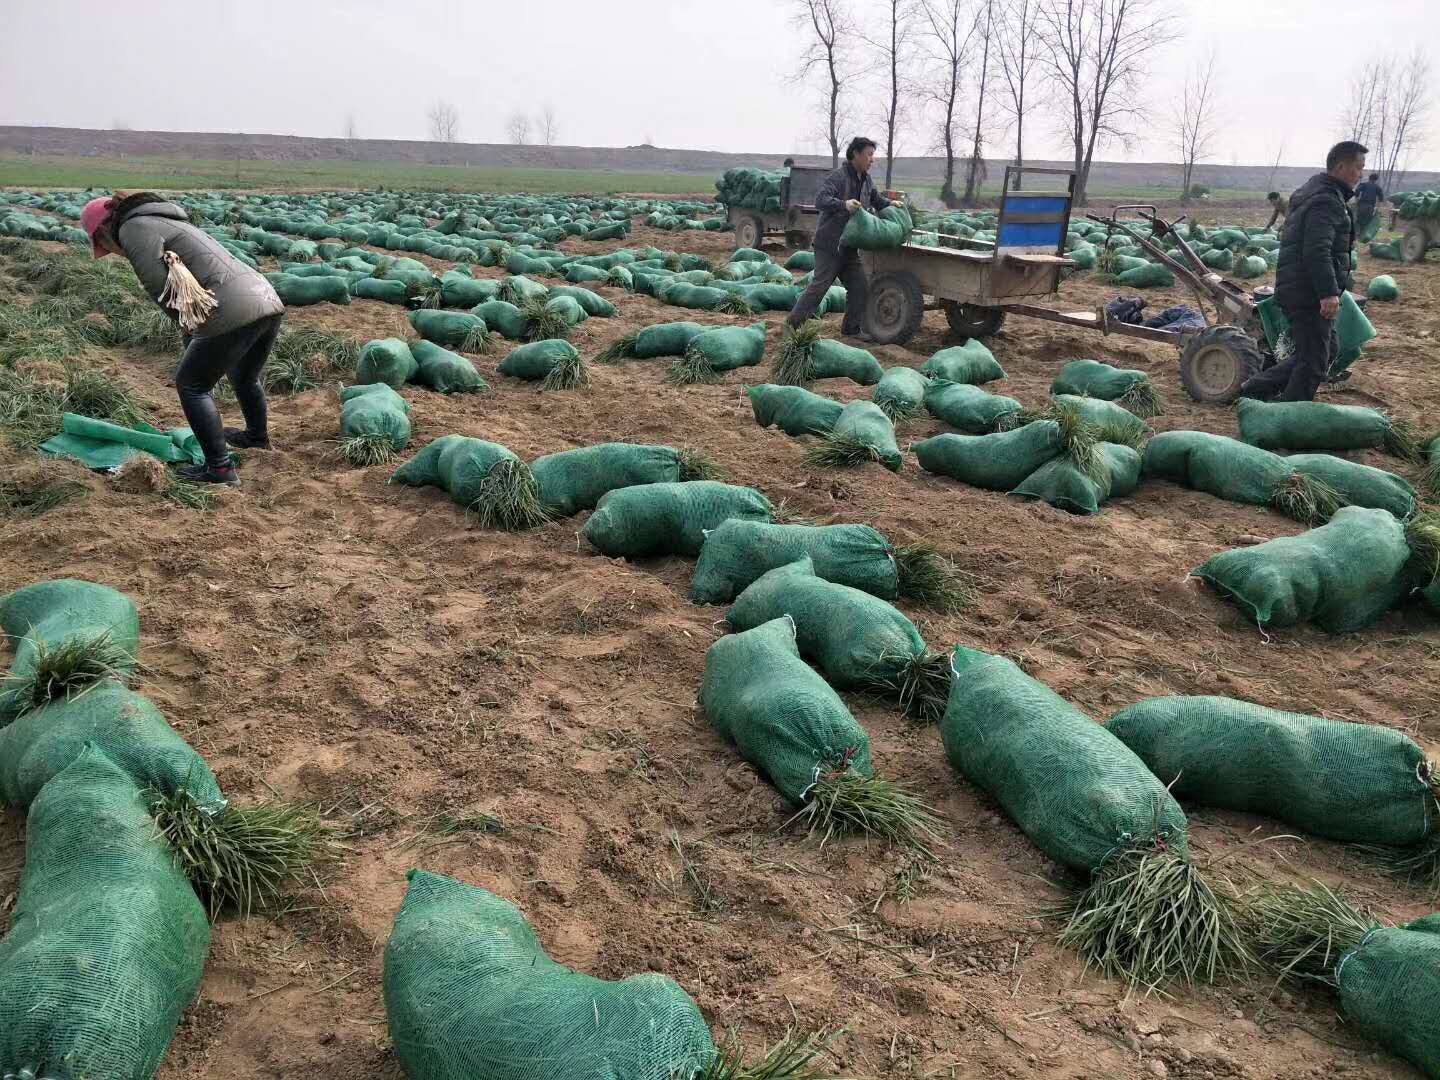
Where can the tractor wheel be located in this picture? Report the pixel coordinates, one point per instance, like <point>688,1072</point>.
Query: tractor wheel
<point>969,321</point>
<point>749,231</point>
<point>1414,243</point>
<point>895,308</point>
<point>1216,362</point>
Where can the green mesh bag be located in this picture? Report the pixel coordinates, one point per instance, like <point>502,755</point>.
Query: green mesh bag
<point>1078,792</point>
<point>738,552</point>
<point>1342,576</point>
<point>470,992</point>
<point>518,289</point>
<point>1390,990</point>
<point>1352,328</point>
<point>1382,288</point>
<point>1310,425</point>
<point>444,371</point>
<point>538,358</point>
<point>1090,378</point>
<point>306,291</point>
<point>864,424</point>
<point>446,327</point>
<point>784,718</point>
<point>55,612</point>
<point>107,940</point>
<point>793,409</point>
<point>833,359</point>
<point>375,409</point>
<point>388,360</point>
<point>579,273</point>
<point>504,318</point>
<point>1359,485</point>
<point>1062,484</point>
<point>461,290</point>
<point>698,297</point>
<point>971,363</point>
<point>856,639</point>
<point>875,232</point>
<point>1226,468</point>
<point>1114,421</point>
<point>456,464</point>
<point>590,302</point>
<point>1149,276</point>
<point>726,348</point>
<point>998,462</point>
<point>1251,266</point>
<point>900,392</point>
<point>801,261</point>
<point>126,727</point>
<point>576,480</point>
<point>1356,783</point>
<point>967,407</point>
<point>772,296</point>
<point>666,339</point>
<point>568,308</point>
<point>668,519</point>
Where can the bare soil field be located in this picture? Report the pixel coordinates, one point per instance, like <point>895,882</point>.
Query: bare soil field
<point>333,639</point>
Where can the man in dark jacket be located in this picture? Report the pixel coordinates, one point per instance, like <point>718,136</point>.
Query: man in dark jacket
<point>1368,197</point>
<point>846,190</point>
<point>1312,271</point>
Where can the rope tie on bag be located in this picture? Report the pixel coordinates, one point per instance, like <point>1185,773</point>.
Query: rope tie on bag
<point>819,773</point>
<point>1340,967</point>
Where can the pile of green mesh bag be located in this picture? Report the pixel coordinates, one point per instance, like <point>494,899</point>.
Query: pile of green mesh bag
<point>753,189</point>
<point>1411,205</point>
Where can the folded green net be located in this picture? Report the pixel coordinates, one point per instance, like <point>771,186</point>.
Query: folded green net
<point>101,445</point>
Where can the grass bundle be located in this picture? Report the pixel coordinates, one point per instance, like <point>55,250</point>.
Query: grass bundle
<point>509,498</point>
<point>328,353</point>
<point>478,339</point>
<point>923,687</point>
<point>1149,917</point>
<point>1142,399</point>
<point>926,577</point>
<point>543,323</point>
<point>240,859</point>
<point>623,349</point>
<point>1430,472</point>
<point>370,448</point>
<point>735,304</point>
<point>795,364</point>
<point>1403,441</point>
<point>1422,533</point>
<point>840,450</point>
<point>796,1057</point>
<point>290,373</point>
<point>64,671</point>
<point>1081,440</point>
<point>698,465</point>
<point>844,802</point>
<point>568,373</point>
<point>189,494</point>
<point>692,368</point>
<point>1302,932</point>
<point>430,295</point>
<point>1307,499</point>
<point>899,412</point>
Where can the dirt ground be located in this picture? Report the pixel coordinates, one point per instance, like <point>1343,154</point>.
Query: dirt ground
<point>326,637</point>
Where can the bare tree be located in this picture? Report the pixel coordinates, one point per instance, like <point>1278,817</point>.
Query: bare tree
<point>1017,41</point>
<point>1387,108</point>
<point>351,131</point>
<point>951,29</point>
<point>1096,54</point>
<point>547,125</point>
<point>829,29</point>
<point>889,45</point>
<point>518,128</point>
<point>975,167</point>
<point>444,122</point>
<point>1195,120</point>
<point>1275,166</point>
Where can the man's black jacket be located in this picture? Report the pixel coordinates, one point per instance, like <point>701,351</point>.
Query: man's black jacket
<point>1315,245</point>
<point>840,186</point>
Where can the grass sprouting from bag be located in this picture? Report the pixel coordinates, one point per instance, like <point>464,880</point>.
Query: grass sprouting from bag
<point>239,859</point>
<point>1430,474</point>
<point>1149,917</point>
<point>1081,440</point>
<point>1403,441</point>
<point>795,1057</point>
<point>839,450</point>
<point>478,339</point>
<point>509,498</point>
<point>1142,399</point>
<point>843,802</point>
<point>735,304</point>
<point>619,350</point>
<point>795,365</point>
<point>924,576</point>
<point>543,323</point>
<point>66,670</point>
<point>787,513</point>
<point>698,465</point>
<point>568,373</point>
<point>430,295</point>
<point>898,412</point>
<point>371,448</point>
<point>692,368</point>
<point>922,689</point>
<point>1307,499</point>
<point>1302,932</point>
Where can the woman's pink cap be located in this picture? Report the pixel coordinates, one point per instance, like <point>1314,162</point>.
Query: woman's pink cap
<point>94,215</point>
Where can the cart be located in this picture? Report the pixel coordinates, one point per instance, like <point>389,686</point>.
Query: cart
<point>795,219</point>
<point>978,284</point>
<point>1421,234</point>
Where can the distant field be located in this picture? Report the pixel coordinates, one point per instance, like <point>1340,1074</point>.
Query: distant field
<point>168,173</point>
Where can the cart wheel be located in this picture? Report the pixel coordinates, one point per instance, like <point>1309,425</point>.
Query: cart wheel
<point>1414,243</point>
<point>1216,362</point>
<point>895,308</point>
<point>749,231</point>
<point>971,321</point>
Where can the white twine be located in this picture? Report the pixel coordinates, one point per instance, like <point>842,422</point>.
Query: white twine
<point>190,300</point>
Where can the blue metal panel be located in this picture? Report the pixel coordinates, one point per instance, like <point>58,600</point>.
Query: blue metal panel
<point>1020,203</point>
<point>1024,234</point>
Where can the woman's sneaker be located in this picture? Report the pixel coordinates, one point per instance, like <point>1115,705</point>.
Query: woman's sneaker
<point>210,474</point>
<point>243,440</point>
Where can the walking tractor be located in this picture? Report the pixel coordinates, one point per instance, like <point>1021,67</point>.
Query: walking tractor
<point>978,283</point>
<point>795,218</point>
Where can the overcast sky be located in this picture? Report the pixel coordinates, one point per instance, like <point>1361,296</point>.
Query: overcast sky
<point>697,74</point>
